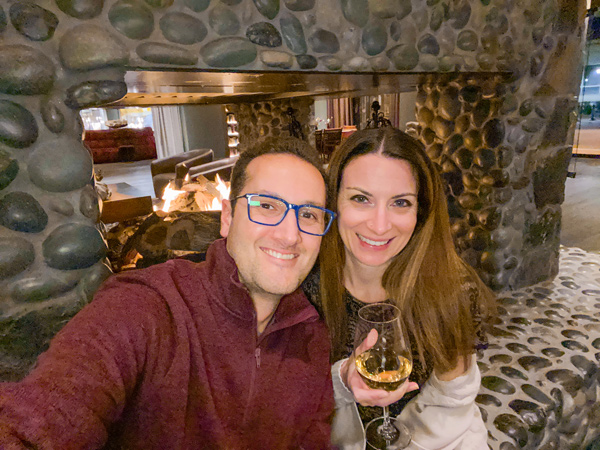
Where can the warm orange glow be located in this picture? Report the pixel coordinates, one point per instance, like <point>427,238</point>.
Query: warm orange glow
<point>169,195</point>
<point>208,196</point>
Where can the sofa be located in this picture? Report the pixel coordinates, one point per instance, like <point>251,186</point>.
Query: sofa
<point>120,144</point>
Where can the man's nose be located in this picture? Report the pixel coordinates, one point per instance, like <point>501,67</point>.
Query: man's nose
<point>380,222</point>
<point>287,231</point>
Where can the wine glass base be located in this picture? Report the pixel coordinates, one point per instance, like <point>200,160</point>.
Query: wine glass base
<point>376,437</point>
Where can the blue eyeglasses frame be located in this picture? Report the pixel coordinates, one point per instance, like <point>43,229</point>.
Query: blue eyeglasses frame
<point>289,206</point>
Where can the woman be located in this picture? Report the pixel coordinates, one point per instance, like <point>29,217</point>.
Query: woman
<point>393,243</point>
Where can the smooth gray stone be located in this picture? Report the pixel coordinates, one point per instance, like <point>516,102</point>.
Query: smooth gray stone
<point>332,63</point>
<point>132,19</point>
<point>505,156</point>
<point>487,399</point>
<point>52,116</point>
<point>19,211</point>
<point>223,21</point>
<point>463,158</point>
<point>429,63</point>
<point>16,255</point>
<point>95,93</point>
<point>81,9</point>
<point>497,384</point>
<point>420,17</point>
<point>438,14</point>
<point>442,127</point>
<point>481,112</point>
<point>265,34</point>
<point>18,128</point>
<point>73,246</point>
<point>33,21</point>
<point>197,5</point>
<point>532,414</point>
<point>293,34</point>
<point>498,21</point>
<point>93,278</point>
<point>534,363</point>
<point>558,126</point>
<point>88,47</point>
<point>159,53</point>
<point>25,71</point>
<point>493,133</point>
<point>37,289</point>
<point>449,106</point>
<point>159,3</point>
<point>299,5</point>
<point>3,22</point>
<point>61,206</point>
<point>380,63</point>
<point>307,62</point>
<point>467,40</point>
<point>512,426</point>
<point>9,168</point>
<point>485,61</point>
<point>182,28</point>
<point>268,8</point>
<point>428,44</point>
<point>404,9</point>
<point>358,64</point>
<point>453,144</point>
<point>395,31</point>
<point>384,9</point>
<point>374,39</point>
<point>274,58</point>
<point>228,52</point>
<point>323,41</point>
<point>459,15</point>
<point>356,11</point>
<point>88,203</point>
<point>404,56</point>
<point>60,165</point>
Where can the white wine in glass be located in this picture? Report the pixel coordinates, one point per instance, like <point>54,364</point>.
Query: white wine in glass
<point>386,365</point>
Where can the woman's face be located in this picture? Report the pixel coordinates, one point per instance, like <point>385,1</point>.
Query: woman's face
<point>377,206</point>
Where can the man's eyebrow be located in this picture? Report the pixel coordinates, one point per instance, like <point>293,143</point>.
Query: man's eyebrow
<point>305,202</point>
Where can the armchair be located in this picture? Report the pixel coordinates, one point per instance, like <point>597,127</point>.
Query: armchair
<point>176,167</point>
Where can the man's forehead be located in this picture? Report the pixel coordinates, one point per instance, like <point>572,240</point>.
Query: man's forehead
<point>269,174</point>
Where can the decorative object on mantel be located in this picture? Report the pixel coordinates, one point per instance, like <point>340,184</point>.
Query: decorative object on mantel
<point>377,119</point>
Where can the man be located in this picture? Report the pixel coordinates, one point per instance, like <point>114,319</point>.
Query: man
<point>225,354</point>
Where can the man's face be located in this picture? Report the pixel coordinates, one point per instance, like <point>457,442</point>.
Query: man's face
<point>273,261</point>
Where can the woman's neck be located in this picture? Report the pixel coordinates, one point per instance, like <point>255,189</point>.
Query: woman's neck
<point>364,282</point>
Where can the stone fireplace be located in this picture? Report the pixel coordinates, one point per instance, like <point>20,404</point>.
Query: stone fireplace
<point>496,82</point>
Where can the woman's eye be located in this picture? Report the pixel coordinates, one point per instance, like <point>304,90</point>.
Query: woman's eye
<point>402,203</point>
<point>359,199</point>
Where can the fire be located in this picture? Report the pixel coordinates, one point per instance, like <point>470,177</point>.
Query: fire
<point>197,195</point>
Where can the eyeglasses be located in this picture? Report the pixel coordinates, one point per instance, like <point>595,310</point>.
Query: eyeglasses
<point>270,211</point>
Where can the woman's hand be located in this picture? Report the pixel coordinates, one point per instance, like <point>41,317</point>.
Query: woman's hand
<point>363,393</point>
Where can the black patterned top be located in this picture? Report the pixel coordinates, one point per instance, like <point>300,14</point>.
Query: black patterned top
<point>419,373</point>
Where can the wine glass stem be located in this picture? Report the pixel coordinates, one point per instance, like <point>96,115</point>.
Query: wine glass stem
<point>388,431</point>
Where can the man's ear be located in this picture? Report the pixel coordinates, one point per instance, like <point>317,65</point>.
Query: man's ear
<point>226,217</point>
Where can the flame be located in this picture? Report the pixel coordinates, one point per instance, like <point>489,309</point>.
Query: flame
<point>223,191</point>
<point>169,195</point>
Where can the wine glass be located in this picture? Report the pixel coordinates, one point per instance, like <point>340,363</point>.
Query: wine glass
<point>386,365</point>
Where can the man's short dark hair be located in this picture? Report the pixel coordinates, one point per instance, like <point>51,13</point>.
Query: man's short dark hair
<point>272,146</point>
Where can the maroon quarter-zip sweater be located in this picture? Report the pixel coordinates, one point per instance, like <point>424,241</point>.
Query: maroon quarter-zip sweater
<point>169,358</point>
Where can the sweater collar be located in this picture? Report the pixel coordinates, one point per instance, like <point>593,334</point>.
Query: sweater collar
<point>293,308</point>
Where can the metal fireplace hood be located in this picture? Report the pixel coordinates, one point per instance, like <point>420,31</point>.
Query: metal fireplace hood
<point>151,88</point>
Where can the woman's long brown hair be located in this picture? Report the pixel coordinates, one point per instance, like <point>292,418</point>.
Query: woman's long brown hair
<point>436,291</point>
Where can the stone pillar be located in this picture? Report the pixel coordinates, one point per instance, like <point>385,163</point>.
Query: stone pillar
<point>52,251</point>
<point>503,144</point>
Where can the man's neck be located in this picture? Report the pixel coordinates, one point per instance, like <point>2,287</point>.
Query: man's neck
<point>265,307</point>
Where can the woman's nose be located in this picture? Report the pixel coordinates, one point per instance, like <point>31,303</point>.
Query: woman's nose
<point>380,221</point>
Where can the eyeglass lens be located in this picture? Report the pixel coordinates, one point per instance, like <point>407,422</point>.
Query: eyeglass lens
<point>270,211</point>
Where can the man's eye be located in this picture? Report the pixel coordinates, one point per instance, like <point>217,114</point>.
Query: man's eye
<point>265,205</point>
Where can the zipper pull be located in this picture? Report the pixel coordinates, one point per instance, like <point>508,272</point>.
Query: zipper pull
<point>257,356</point>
